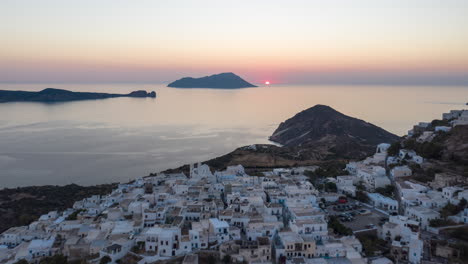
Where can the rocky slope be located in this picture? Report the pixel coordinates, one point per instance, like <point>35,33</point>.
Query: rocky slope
<point>456,146</point>
<point>313,137</point>
<point>261,157</point>
<point>331,133</point>
<point>22,205</point>
<point>226,80</point>
<point>50,95</point>
<point>446,152</point>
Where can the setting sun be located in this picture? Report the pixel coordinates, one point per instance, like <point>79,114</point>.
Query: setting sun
<point>267,83</point>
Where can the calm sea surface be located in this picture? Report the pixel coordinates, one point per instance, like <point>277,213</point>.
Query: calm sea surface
<point>102,141</point>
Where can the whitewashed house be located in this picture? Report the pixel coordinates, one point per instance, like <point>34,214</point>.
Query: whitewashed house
<point>400,171</point>
<point>383,202</point>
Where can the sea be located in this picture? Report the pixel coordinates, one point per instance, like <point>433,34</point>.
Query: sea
<point>120,139</point>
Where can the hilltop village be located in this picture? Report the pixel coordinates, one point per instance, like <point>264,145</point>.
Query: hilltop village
<point>377,210</point>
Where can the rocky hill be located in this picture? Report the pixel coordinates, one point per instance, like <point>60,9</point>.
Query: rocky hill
<point>456,146</point>
<point>226,80</point>
<point>50,95</point>
<point>316,136</point>
<point>331,133</point>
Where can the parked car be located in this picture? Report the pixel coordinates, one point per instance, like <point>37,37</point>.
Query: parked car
<point>342,200</point>
<point>364,212</point>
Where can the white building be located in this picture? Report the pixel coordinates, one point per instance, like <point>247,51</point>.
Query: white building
<point>39,248</point>
<point>422,215</point>
<point>373,177</point>
<point>166,241</point>
<point>220,229</point>
<point>453,114</point>
<point>315,228</point>
<point>117,250</point>
<point>442,129</point>
<point>462,119</point>
<point>400,171</point>
<point>345,184</point>
<point>383,202</point>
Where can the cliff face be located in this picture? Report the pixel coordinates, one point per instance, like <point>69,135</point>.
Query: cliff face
<point>221,81</point>
<point>331,133</point>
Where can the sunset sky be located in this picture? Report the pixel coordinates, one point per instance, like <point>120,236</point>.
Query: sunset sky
<point>329,41</point>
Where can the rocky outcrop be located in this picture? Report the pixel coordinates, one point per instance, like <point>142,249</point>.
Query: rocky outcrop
<point>330,133</point>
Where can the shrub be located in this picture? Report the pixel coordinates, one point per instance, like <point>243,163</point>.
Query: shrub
<point>362,196</point>
<point>388,191</point>
<point>394,149</point>
<point>339,228</point>
<point>105,260</point>
<point>227,259</point>
<point>331,187</point>
<point>441,222</point>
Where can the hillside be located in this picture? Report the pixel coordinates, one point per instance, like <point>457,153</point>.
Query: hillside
<point>262,156</point>
<point>446,152</point>
<point>21,206</point>
<point>221,81</point>
<point>331,133</point>
<point>456,146</point>
<point>315,136</point>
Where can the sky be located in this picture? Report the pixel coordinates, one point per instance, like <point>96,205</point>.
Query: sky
<point>311,41</point>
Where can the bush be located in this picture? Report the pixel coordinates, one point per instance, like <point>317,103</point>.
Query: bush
<point>227,259</point>
<point>437,122</point>
<point>211,259</point>
<point>441,222</point>
<point>57,259</point>
<point>105,260</point>
<point>338,227</point>
<point>362,197</point>
<point>74,215</point>
<point>327,170</point>
<point>460,233</point>
<point>21,261</point>
<point>388,190</point>
<point>428,150</point>
<point>394,149</point>
<point>371,244</point>
<point>331,187</point>
<point>451,209</point>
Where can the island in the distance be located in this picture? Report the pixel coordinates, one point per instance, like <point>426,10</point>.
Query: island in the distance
<point>50,95</point>
<point>227,80</point>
